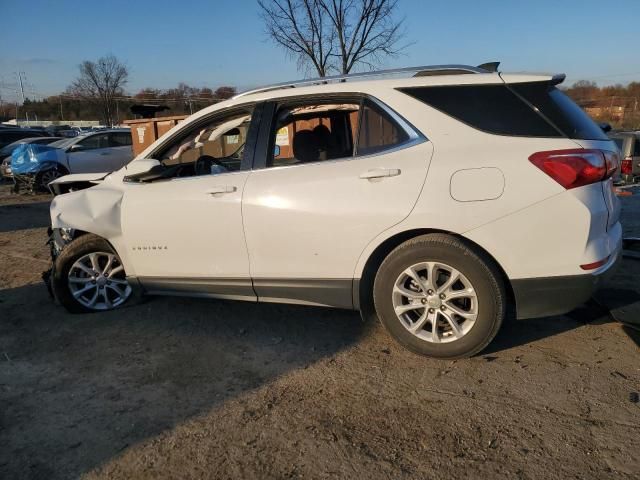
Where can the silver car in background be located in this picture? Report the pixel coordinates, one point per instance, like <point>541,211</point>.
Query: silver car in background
<point>103,151</point>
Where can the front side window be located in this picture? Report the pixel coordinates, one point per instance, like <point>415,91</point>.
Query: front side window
<point>331,130</point>
<point>215,146</point>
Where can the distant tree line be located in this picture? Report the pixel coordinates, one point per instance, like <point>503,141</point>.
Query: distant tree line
<point>98,94</point>
<point>618,105</point>
<point>182,100</point>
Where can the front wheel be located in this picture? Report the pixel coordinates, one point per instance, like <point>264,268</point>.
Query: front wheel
<point>43,179</point>
<point>439,297</point>
<point>88,276</point>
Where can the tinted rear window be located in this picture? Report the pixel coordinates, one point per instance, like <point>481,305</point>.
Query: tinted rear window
<point>560,110</point>
<point>490,108</point>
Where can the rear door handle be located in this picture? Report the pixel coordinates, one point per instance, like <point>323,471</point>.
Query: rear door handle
<point>380,173</point>
<point>221,189</point>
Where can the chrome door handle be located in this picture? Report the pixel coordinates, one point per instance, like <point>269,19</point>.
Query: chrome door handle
<point>221,189</point>
<point>380,173</point>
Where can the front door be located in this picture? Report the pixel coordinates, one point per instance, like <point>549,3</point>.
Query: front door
<point>185,234</point>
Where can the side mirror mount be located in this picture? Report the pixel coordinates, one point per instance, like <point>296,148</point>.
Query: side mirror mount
<point>141,166</point>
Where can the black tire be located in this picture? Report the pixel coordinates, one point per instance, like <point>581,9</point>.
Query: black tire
<point>42,178</point>
<point>79,247</point>
<point>480,270</point>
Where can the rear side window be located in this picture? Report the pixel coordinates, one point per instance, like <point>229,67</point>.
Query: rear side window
<point>560,110</point>
<point>120,139</point>
<point>378,131</point>
<point>490,108</point>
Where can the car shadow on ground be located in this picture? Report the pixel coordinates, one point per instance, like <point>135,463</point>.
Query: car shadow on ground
<point>77,390</point>
<point>25,215</point>
<point>515,333</point>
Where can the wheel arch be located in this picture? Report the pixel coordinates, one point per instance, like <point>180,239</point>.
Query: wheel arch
<point>363,287</point>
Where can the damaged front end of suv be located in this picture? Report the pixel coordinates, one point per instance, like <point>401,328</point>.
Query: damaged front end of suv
<point>86,271</point>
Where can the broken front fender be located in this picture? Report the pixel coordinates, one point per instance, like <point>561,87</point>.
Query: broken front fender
<point>95,210</point>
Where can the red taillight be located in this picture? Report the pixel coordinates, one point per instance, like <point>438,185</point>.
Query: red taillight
<point>576,167</point>
<point>627,166</point>
<point>594,265</point>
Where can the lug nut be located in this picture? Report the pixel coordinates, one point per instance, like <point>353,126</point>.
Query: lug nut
<point>442,296</point>
<point>430,292</point>
<point>431,310</point>
<point>442,307</point>
<point>424,300</point>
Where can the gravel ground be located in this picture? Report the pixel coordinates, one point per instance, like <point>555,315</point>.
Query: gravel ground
<point>189,388</point>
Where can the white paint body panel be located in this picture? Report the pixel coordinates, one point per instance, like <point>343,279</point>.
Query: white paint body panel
<point>314,220</point>
<point>477,184</point>
<point>200,233</point>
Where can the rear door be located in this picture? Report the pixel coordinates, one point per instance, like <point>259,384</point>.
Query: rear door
<point>307,221</point>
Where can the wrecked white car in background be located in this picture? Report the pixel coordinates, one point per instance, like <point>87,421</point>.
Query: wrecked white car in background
<point>431,199</point>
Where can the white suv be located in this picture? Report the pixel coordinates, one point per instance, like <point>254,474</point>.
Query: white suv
<point>432,197</point>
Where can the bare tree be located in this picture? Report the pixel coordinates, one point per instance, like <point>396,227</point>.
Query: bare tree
<point>100,82</point>
<point>299,27</point>
<point>334,35</point>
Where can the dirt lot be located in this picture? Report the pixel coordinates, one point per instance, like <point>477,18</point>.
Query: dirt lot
<point>184,388</point>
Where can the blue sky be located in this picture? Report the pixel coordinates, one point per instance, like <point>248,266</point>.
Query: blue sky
<point>216,42</point>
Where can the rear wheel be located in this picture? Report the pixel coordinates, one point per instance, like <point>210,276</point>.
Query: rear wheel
<point>89,276</point>
<point>439,297</point>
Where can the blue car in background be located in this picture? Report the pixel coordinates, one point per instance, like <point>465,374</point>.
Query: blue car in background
<point>5,152</point>
<point>34,166</point>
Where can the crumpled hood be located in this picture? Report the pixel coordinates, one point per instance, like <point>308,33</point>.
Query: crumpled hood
<point>80,177</point>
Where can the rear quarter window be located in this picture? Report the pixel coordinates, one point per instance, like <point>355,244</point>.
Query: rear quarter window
<point>560,110</point>
<point>491,108</point>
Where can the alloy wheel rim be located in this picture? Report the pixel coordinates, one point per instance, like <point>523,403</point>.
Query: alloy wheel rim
<point>50,176</point>
<point>435,302</point>
<point>97,281</point>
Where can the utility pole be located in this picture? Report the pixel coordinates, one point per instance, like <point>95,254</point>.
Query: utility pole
<point>61,116</point>
<point>19,75</point>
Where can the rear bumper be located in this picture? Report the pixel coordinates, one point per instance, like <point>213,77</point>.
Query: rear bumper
<point>542,297</point>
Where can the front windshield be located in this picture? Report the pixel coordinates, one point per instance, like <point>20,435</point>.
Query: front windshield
<point>64,143</point>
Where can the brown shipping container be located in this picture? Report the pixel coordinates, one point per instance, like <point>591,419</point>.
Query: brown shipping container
<point>145,131</point>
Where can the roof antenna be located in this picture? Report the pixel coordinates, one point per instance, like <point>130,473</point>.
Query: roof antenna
<point>491,67</point>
